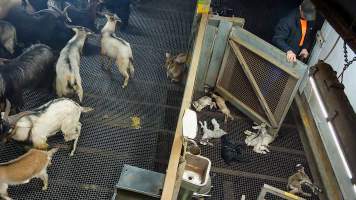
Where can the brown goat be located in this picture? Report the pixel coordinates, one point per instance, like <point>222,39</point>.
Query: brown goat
<point>32,164</point>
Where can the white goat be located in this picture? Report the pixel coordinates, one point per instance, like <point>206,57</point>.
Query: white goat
<point>68,80</point>
<point>116,48</point>
<point>37,125</point>
<point>202,102</point>
<point>260,140</point>
<point>217,132</point>
<point>21,170</point>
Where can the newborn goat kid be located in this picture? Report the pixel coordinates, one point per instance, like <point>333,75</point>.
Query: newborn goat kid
<point>68,81</point>
<point>21,170</point>
<point>300,178</point>
<point>260,140</point>
<point>37,125</point>
<point>222,106</point>
<point>230,151</point>
<point>116,48</point>
<point>203,102</point>
<point>217,132</point>
<point>175,66</point>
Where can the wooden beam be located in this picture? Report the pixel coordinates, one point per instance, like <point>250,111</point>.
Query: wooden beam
<point>170,183</point>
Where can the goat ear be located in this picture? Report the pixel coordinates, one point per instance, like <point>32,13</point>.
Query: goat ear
<point>168,55</point>
<point>181,58</point>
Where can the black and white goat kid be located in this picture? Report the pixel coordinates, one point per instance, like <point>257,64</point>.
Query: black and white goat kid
<point>33,68</point>
<point>68,80</point>
<point>116,48</point>
<point>37,125</point>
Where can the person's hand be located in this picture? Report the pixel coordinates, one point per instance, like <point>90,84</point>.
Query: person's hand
<point>304,54</point>
<point>291,57</point>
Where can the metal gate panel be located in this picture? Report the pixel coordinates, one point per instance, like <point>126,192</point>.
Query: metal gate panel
<point>234,85</point>
<point>261,69</point>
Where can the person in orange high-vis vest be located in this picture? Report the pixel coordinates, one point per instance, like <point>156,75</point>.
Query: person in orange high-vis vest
<point>293,32</point>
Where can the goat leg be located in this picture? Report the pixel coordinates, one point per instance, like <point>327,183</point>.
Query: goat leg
<point>44,178</point>
<point>78,129</point>
<point>3,191</point>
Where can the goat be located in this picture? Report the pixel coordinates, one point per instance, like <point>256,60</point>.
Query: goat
<point>37,125</point>
<point>208,134</point>
<point>175,66</point>
<point>260,140</point>
<point>231,152</point>
<point>121,8</point>
<point>8,36</point>
<point>7,5</point>
<point>33,68</point>
<point>84,17</point>
<point>203,102</point>
<point>300,178</point>
<point>68,80</point>
<point>116,48</point>
<point>220,102</point>
<point>32,164</point>
<point>45,26</point>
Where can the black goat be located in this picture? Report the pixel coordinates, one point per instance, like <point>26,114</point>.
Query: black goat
<point>33,68</point>
<point>84,17</point>
<point>46,26</point>
<point>231,152</point>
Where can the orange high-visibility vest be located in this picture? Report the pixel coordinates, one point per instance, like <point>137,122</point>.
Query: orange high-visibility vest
<point>304,25</point>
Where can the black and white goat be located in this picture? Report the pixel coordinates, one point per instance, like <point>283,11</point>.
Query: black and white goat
<point>33,68</point>
<point>8,36</point>
<point>37,125</point>
<point>68,80</point>
<point>116,48</point>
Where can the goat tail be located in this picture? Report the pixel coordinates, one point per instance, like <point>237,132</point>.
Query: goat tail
<point>131,67</point>
<point>87,109</point>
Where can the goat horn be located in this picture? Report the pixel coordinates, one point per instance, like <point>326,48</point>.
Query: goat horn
<point>7,108</point>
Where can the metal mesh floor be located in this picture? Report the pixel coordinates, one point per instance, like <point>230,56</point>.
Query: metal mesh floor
<point>107,141</point>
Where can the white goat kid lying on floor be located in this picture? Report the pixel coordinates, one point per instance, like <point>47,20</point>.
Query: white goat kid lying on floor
<point>217,132</point>
<point>37,125</point>
<point>203,102</point>
<point>260,140</point>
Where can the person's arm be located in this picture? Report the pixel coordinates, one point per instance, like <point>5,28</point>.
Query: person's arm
<point>281,33</point>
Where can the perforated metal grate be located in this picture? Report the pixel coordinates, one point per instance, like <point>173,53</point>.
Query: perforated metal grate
<point>235,82</point>
<point>108,141</point>
<point>275,84</point>
<point>230,182</point>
